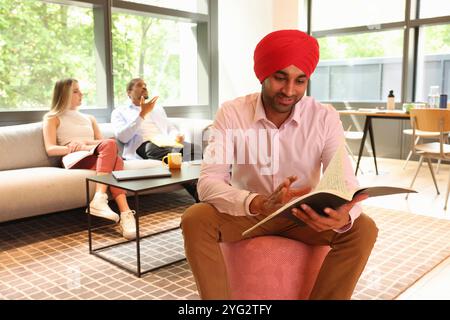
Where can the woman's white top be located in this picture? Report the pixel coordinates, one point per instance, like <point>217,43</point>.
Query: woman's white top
<point>73,125</point>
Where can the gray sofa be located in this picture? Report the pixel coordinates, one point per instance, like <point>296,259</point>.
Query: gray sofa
<point>31,183</point>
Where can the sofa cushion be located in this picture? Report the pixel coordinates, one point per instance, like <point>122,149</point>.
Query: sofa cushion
<point>33,183</point>
<point>23,147</point>
<point>107,130</point>
<point>33,191</point>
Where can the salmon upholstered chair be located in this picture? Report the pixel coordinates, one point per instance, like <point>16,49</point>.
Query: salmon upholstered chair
<point>272,268</point>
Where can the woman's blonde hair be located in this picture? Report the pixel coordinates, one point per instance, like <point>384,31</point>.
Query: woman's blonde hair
<point>62,95</point>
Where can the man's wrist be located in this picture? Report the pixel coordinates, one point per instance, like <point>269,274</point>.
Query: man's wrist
<point>349,222</point>
<point>256,205</point>
<point>345,227</point>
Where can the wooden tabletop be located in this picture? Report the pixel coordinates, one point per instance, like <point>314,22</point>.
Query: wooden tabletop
<point>377,113</point>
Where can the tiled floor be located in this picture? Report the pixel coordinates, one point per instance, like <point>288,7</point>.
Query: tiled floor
<point>435,284</point>
<point>408,246</point>
<point>47,257</point>
<point>391,172</point>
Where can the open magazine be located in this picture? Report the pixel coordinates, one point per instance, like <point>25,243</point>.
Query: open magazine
<point>331,192</point>
<point>71,159</point>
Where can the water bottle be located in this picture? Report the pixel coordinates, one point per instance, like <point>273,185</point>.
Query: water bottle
<point>433,97</point>
<point>443,101</point>
<point>390,101</point>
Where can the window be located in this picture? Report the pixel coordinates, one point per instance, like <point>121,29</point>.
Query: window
<point>369,48</point>
<point>351,70</point>
<point>197,6</point>
<point>104,44</point>
<point>434,8</point>
<point>40,43</point>
<point>163,52</point>
<point>433,62</point>
<point>332,14</point>
<point>361,55</point>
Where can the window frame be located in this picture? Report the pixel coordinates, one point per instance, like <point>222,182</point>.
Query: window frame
<point>207,43</point>
<point>410,26</point>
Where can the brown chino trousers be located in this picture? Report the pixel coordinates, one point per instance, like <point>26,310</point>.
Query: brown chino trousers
<point>204,227</point>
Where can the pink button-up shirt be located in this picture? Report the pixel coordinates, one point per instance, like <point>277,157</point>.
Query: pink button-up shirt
<point>259,156</point>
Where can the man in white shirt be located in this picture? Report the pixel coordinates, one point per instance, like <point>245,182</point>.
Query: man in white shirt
<point>140,123</point>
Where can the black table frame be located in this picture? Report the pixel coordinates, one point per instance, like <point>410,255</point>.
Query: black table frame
<point>368,128</point>
<point>95,251</point>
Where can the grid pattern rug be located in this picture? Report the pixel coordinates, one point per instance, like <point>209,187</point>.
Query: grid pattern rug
<point>407,248</point>
<point>47,257</point>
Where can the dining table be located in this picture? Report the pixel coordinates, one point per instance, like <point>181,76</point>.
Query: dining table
<point>370,114</point>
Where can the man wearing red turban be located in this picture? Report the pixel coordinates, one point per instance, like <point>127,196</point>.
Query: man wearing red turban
<point>280,49</point>
<point>274,143</point>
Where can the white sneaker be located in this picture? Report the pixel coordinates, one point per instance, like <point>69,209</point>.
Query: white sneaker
<point>99,207</point>
<point>128,224</point>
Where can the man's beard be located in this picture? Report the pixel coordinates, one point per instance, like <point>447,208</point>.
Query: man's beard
<point>271,103</point>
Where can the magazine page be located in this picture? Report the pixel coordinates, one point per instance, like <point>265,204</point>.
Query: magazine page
<point>71,159</point>
<point>333,179</point>
<point>331,192</point>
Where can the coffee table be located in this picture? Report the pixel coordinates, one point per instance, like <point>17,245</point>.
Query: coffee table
<point>187,173</point>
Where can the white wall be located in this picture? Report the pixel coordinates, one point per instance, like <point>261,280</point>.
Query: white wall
<point>242,23</point>
<point>285,14</point>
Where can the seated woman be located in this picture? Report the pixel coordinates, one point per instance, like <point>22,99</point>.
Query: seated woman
<point>67,130</point>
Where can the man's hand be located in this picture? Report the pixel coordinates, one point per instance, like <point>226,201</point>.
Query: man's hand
<point>147,107</point>
<point>336,219</point>
<point>179,138</point>
<point>282,194</point>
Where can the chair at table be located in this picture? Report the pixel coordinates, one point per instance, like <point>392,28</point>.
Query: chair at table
<point>272,267</point>
<point>431,120</point>
<point>352,135</point>
<point>349,135</point>
<point>421,135</point>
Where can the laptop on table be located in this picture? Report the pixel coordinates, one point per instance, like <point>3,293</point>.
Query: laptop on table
<point>157,172</point>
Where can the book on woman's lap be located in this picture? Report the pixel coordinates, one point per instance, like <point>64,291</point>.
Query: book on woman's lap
<point>71,159</point>
<point>331,192</point>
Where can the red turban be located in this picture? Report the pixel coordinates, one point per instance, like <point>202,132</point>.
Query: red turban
<point>283,48</point>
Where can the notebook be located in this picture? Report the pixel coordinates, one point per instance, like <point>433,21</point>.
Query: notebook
<point>135,174</point>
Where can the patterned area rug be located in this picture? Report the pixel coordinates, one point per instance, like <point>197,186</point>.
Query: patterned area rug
<point>407,248</point>
<point>47,257</point>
